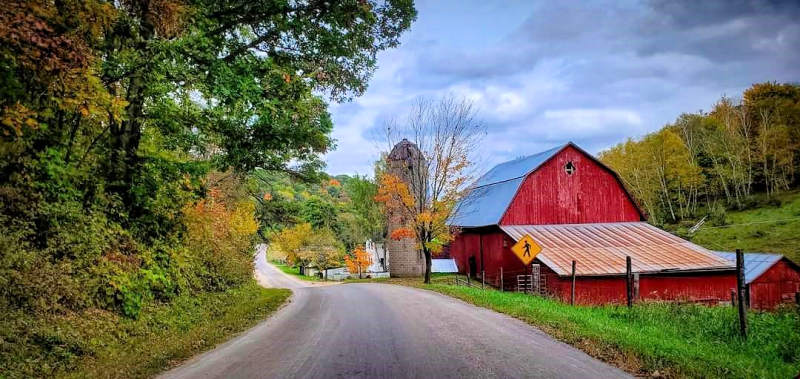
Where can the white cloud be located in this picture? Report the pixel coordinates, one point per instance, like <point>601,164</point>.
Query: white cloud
<point>542,73</point>
<point>593,121</point>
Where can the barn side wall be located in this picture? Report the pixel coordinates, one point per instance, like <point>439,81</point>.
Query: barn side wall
<point>775,286</point>
<point>701,287</point>
<point>551,196</point>
<point>487,247</point>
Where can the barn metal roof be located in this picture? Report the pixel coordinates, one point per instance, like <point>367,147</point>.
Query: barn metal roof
<point>755,264</point>
<point>443,265</point>
<point>485,205</point>
<point>491,194</point>
<point>516,168</point>
<point>600,249</point>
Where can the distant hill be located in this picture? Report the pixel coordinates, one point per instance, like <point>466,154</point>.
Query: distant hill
<point>768,229</point>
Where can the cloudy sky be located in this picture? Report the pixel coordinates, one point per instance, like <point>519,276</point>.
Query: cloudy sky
<point>546,72</point>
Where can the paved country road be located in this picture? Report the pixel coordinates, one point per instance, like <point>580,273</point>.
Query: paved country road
<point>380,330</point>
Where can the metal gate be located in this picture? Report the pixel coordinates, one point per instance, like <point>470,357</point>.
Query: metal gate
<point>533,283</point>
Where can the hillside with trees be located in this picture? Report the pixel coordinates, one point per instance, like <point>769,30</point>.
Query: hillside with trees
<point>316,223</point>
<point>743,154</point>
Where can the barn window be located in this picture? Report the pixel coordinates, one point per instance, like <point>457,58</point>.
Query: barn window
<point>569,168</point>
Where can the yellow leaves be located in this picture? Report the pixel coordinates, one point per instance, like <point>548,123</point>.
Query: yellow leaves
<point>286,194</point>
<point>290,240</point>
<point>302,244</point>
<point>242,220</point>
<point>400,206</point>
<point>169,17</point>
<point>394,193</point>
<point>425,217</point>
<point>117,107</point>
<point>17,116</point>
<point>213,226</point>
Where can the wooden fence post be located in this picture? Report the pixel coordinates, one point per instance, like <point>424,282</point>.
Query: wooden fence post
<point>733,298</point>
<point>797,298</point>
<point>483,279</point>
<point>572,298</point>
<point>740,289</point>
<point>747,295</point>
<point>501,280</point>
<point>628,280</point>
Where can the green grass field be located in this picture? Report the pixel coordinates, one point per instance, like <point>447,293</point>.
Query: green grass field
<point>295,271</point>
<point>102,344</point>
<point>653,339</point>
<point>768,229</point>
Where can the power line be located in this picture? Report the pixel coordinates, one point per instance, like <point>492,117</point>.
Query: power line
<point>751,223</point>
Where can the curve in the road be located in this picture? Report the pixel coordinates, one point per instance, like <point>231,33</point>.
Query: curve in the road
<point>379,330</point>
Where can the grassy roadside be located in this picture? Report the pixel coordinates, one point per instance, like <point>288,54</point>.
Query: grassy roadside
<point>102,344</point>
<point>295,271</point>
<point>654,339</point>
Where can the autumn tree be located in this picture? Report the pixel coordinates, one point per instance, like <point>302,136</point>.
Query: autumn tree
<point>446,132</point>
<point>303,246</point>
<point>289,243</point>
<point>358,261</point>
<point>774,112</point>
<point>322,251</point>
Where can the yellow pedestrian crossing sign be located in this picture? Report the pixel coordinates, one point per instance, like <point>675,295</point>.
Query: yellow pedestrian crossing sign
<point>526,249</point>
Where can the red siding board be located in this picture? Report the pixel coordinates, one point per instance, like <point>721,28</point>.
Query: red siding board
<point>697,287</point>
<point>775,286</point>
<point>693,287</point>
<point>550,196</point>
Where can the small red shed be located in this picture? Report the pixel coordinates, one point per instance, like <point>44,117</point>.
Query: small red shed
<point>771,279</point>
<point>576,208</point>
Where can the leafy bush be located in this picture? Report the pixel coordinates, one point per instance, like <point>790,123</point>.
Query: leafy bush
<point>717,214</point>
<point>220,238</point>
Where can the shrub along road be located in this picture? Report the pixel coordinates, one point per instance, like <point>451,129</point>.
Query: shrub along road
<point>379,330</point>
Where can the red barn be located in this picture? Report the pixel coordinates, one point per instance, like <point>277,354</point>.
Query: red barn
<point>771,279</point>
<point>576,208</point>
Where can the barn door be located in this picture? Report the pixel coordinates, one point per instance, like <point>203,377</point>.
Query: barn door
<point>473,267</point>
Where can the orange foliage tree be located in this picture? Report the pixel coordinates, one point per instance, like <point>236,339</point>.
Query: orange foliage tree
<point>446,132</point>
<point>359,261</point>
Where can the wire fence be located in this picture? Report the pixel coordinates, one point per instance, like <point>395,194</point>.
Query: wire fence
<point>531,280</point>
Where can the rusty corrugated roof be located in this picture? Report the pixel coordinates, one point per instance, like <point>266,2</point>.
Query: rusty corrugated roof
<point>600,249</point>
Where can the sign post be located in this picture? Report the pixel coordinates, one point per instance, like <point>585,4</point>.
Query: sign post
<point>526,249</point>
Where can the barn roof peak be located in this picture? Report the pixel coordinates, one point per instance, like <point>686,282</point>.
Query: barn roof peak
<point>490,195</point>
<point>517,168</point>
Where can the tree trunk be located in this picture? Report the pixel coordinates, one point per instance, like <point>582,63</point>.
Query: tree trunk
<point>427,265</point>
<point>126,135</point>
